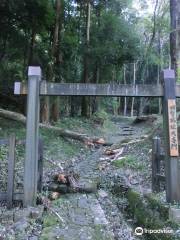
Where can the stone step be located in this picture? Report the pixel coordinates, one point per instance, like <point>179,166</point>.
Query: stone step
<point>84,219</point>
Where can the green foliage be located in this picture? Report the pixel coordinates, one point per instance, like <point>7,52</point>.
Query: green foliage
<point>100,117</point>
<point>19,19</point>
<point>147,216</point>
<point>118,35</point>
<point>3,152</point>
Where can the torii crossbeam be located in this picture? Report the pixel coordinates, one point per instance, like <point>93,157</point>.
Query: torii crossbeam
<point>104,90</point>
<point>168,91</point>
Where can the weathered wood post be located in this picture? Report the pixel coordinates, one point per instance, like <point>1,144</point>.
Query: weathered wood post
<point>171,137</point>
<point>32,131</point>
<point>11,165</point>
<point>40,165</point>
<point>156,151</point>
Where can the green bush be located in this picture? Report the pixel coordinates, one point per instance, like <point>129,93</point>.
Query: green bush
<point>100,117</point>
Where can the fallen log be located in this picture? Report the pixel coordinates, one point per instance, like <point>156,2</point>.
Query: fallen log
<point>148,118</point>
<point>61,132</point>
<point>61,188</point>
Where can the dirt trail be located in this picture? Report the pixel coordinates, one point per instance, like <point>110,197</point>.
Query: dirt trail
<point>95,216</point>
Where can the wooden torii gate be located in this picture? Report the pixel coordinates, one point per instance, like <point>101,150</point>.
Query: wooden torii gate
<point>168,91</point>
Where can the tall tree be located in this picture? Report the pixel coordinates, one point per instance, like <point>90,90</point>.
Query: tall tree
<point>134,82</point>
<point>178,40</point>
<point>57,57</point>
<point>175,36</point>
<point>173,11</point>
<point>85,100</point>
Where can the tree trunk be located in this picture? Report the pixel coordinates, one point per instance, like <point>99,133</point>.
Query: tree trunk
<point>45,111</point>
<point>134,83</point>
<point>95,100</point>
<point>31,48</point>
<point>125,99</point>
<point>173,7</point>
<point>55,110</point>
<point>144,64</point>
<point>85,112</point>
<point>160,67</point>
<point>73,110</point>
<point>178,41</point>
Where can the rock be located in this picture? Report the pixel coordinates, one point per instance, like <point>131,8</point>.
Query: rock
<point>21,214</point>
<point>7,217</point>
<point>36,213</point>
<point>81,220</point>
<point>134,182</point>
<point>33,238</point>
<point>2,232</point>
<point>100,221</point>
<point>177,233</point>
<point>100,218</point>
<point>83,202</point>
<point>102,193</point>
<point>174,214</point>
<point>21,225</point>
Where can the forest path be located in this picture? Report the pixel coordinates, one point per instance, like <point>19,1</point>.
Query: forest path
<point>94,216</point>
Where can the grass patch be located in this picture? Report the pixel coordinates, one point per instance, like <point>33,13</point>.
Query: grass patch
<point>80,125</point>
<point>49,221</point>
<point>128,161</point>
<point>9,127</point>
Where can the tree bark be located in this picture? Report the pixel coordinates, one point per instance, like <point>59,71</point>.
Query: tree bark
<point>85,112</point>
<point>144,64</point>
<point>45,111</point>
<point>45,100</point>
<point>173,7</point>
<point>178,41</point>
<point>31,48</point>
<point>134,82</point>
<point>55,110</point>
<point>125,99</point>
<point>95,100</point>
<point>160,66</point>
